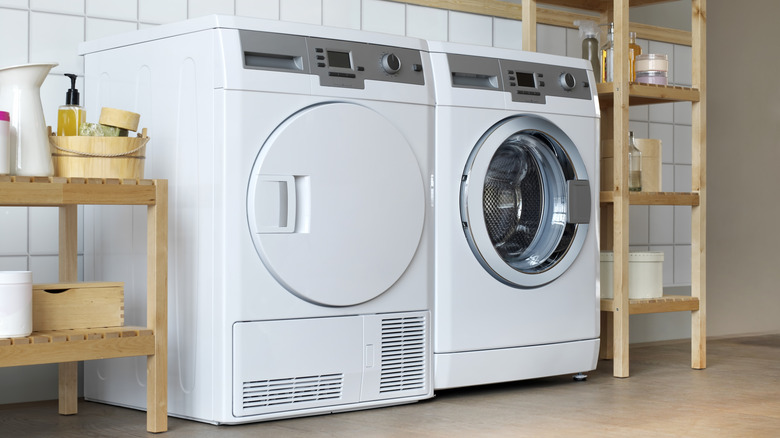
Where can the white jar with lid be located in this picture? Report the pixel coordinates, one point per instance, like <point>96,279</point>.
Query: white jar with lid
<point>5,140</point>
<point>15,304</point>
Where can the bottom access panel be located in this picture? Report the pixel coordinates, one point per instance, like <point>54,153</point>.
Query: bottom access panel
<point>307,366</point>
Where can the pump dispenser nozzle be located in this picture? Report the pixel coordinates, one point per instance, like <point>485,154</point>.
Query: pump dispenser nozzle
<point>72,95</point>
<point>587,28</point>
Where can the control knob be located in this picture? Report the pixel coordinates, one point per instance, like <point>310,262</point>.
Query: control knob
<point>391,64</point>
<point>567,81</point>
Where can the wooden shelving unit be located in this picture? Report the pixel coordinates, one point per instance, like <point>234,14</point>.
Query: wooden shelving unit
<point>67,347</point>
<point>615,99</point>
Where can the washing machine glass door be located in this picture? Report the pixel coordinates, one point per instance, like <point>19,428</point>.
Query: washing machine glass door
<point>525,201</point>
<point>336,204</point>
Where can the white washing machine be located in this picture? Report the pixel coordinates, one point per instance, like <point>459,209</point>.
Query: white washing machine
<point>299,161</point>
<point>516,229</point>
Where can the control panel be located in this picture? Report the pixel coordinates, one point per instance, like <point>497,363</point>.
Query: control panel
<point>525,81</point>
<point>338,63</point>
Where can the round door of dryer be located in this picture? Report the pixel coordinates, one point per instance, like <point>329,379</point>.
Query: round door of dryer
<point>336,204</point>
<point>525,201</point>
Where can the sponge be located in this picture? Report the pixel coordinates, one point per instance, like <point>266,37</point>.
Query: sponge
<point>98,130</point>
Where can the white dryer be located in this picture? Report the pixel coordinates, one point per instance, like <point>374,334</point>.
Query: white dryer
<point>299,161</point>
<point>516,229</point>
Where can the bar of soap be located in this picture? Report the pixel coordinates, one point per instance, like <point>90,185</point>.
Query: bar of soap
<point>98,130</point>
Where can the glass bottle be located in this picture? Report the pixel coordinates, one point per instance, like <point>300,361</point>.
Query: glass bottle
<point>634,50</point>
<point>607,54</point>
<point>634,165</point>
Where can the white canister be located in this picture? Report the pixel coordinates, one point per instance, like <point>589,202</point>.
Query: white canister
<point>645,274</point>
<point>652,62</point>
<point>5,142</point>
<point>15,304</point>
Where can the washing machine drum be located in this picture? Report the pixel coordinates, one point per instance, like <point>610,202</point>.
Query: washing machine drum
<point>525,201</point>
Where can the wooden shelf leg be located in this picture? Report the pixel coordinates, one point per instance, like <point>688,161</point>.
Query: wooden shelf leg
<point>529,32</point>
<point>68,388</point>
<point>699,183</point>
<point>68,273</point>
<point>606,346</point>
<point>157,310</point>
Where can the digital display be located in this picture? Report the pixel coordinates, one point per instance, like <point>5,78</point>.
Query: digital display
<point>525,80</point>
<point>339,59</point>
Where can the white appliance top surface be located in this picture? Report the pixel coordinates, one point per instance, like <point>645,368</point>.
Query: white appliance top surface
<point>502,53</point>
<point>246,23</point>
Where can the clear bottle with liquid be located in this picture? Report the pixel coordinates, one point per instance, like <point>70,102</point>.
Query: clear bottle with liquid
<point>589,31</point>
<point>634,165</point>
<point>634,50</point>
<point>607,55</point>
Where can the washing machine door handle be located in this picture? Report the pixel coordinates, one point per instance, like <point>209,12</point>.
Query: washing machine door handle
<point>273,200</point>
<point>578,201</point>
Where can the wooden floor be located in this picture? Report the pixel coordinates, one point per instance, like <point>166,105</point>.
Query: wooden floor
<point>738,395</point>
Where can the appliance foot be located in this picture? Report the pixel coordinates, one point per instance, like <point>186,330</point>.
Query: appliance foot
<point>580,377</point>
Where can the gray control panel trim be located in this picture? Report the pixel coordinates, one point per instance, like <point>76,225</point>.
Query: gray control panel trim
<point>345,64</point>
<point>526,81</point>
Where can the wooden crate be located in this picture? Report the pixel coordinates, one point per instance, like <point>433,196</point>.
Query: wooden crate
<point>59,306</point>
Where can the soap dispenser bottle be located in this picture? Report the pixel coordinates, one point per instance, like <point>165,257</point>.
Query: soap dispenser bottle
<point>590,44</point>
<point>70,115</point>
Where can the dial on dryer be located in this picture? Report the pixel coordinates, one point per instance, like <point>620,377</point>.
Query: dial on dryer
<point>391,63</point>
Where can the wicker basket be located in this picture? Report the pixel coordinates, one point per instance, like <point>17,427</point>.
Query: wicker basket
<point>99,157</point>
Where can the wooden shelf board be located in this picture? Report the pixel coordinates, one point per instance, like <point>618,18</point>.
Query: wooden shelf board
<point>646,94</point>
<point>57,191</point>
<point>596,5</point>
<point>654,198</point>
<point>666,303</point>
<point>58,346</point>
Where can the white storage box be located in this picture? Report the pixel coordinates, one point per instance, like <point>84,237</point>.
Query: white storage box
<point>645,274</point>
<point>15,304</point>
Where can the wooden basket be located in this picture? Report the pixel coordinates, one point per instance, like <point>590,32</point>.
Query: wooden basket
<point>99,157</point>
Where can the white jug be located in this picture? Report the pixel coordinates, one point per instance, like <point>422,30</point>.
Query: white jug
<point>20,95</point>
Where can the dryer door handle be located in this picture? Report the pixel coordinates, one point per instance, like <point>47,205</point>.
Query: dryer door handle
<point>272,203</point>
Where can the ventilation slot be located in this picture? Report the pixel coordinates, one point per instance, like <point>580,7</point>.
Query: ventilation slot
<point>403,354</point>
<point>263,393</point>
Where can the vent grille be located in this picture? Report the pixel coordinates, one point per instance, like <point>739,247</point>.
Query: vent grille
<point>293,390</point>
<point>403,354</point>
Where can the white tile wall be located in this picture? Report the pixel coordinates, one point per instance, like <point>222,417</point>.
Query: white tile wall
<point>301,11</point>
<point>471,29</point>
<point>341,13</point>
<point>381,16</point>
<point>116,9</point>
<point>14,31</point>
<point>507,33</point>
<point>428,23</point>
<point>50,31</point>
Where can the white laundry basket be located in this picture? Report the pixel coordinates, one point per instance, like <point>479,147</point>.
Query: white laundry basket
<point>645,274</point>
